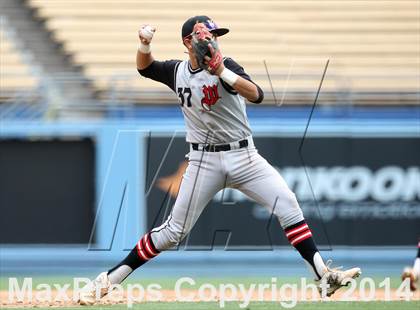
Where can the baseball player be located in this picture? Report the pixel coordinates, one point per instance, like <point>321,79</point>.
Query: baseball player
<point>413,273</point>
<point>211,90</point>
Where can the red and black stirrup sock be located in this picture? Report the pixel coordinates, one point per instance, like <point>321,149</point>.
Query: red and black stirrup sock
<point>144,251</point>
<point>300,236</point>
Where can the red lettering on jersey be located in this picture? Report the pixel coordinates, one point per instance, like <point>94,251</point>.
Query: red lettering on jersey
<point>211,95</point>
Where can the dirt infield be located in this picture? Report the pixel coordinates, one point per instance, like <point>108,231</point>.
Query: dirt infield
<point>58,300</point>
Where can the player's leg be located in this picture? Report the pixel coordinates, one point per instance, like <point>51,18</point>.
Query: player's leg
<point>256,178</point>
<point>265,185</point>
<point>413,273</point>
<point>202,179</point>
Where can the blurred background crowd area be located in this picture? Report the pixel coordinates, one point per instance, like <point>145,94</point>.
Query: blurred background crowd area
<point>76,58</point>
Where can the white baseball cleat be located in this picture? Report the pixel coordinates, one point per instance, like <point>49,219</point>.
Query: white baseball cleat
<point>409,273</point>
<point>335,278</point>
<point>95,290</point>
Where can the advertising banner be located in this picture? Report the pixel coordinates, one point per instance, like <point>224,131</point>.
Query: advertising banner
<point>353,191</point>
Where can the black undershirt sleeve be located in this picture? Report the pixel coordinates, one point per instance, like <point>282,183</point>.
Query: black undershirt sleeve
<point>235,67</point>
<point>162,71</point>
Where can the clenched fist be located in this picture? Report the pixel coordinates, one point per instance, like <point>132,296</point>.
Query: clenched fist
<point>146,33</point>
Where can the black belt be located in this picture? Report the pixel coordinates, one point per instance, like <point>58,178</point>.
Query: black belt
<point>219,147</point>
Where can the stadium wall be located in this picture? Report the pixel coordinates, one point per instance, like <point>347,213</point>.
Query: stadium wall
<point>120,167</point>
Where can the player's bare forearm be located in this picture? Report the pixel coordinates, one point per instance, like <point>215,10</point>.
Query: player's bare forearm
<point>144,56</point>
<point>246,89</point>
<point>143,60</point>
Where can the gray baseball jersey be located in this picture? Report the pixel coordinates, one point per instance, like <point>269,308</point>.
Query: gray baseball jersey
<point>213,111</point>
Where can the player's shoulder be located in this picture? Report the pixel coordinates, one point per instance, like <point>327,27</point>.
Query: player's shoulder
<point>232,64</point>
<point>230,60</point>
<point>171,66</point>
<point>172,62</point>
